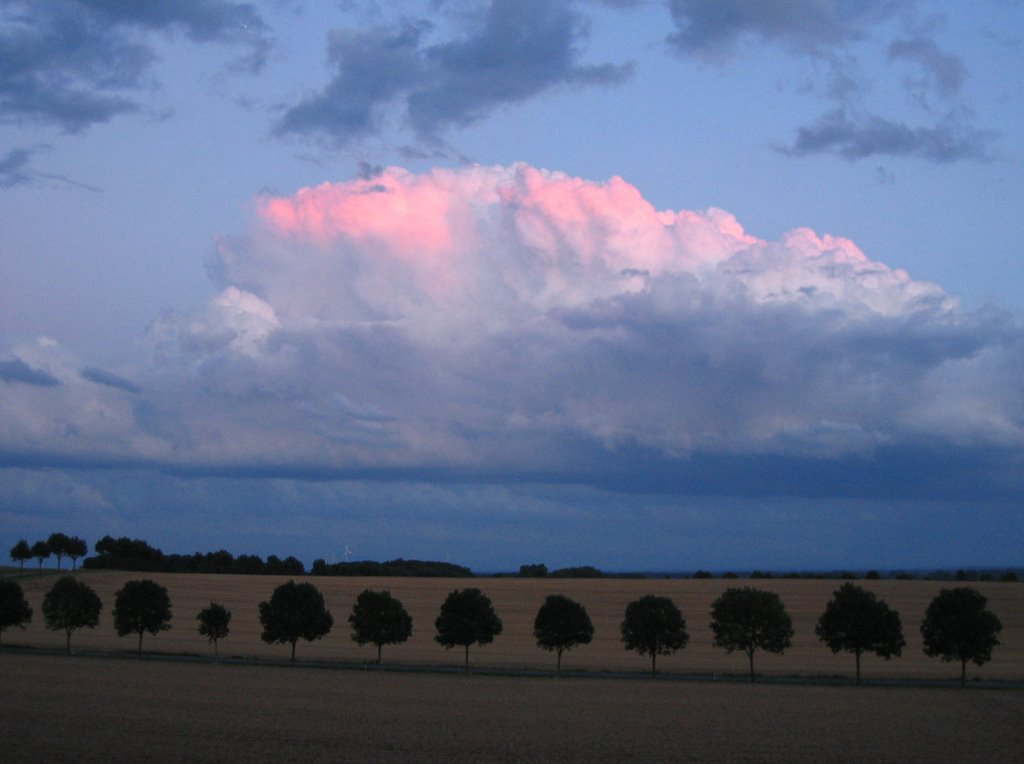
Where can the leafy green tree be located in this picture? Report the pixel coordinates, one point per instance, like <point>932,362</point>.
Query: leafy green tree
<point>467,618</point>
<point>294,612</point>
<point>71,605</point>
<point>751,619</point>
<point>75,548</point>
<point>141,606</point>
<point>654,626</point>
<point>14,608</point>
<point>379,618</point>
<point>562,624</point>
<point>21,552</point>
<point>58,546</point>
<point>41,550</point>
<point>214,623</point>
<point>957,627</point>
<point>856,621</point>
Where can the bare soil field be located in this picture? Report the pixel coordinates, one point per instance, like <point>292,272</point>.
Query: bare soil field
<point>54,708</point>
<point>516,601</point>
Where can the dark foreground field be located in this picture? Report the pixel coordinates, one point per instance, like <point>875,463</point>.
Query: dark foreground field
<point>56,708</point>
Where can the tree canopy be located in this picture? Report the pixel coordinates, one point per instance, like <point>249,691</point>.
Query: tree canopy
<point>41,550</point>
<point>141,606</point>
<point>751,619</point>
<point>294,612</point>
<point>654,626</point>
<point>214,623</point>
<point>856,621</point>
<point>21,552</point>
<point>71,605</point>
<point>562,624</point>
<point>380,619</point>
<point>957,627</point>
<point>14,608</point>
<point>467,618</point>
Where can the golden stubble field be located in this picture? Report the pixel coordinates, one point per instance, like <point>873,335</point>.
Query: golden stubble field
<point>516,601</point>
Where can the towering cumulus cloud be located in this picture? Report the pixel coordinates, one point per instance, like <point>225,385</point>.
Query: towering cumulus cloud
<point>494,321</point>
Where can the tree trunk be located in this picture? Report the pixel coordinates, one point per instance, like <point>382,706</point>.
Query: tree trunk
<point>69,642</point>
<point>857,654</point>
<point>558,663</point>
<point>963,672</point>
<point>293,650</point>
<point>140,643</point>
<point>215,648</point>
<point>750,655</point>
<point>378,653</point>
<point>467,657</point>
<point>654,657</point>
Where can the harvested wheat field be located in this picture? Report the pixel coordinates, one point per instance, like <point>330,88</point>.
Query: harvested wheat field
<point>56,708</point>
<point>517,600</point>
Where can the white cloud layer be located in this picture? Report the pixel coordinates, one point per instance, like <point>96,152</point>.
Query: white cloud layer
<point>501,320</point>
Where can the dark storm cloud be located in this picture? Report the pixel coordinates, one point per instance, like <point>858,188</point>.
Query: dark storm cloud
<point>101,377</point>
<point>74,63</point>
<point>17,370</point>
<point>864,136</point>
<point>518,49</point>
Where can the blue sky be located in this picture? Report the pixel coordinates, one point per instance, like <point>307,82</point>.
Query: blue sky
<point>643,285</point>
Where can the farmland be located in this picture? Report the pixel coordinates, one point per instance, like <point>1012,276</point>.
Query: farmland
<point>516,601</point>
<point>119,708</point>
<point>85,709</point>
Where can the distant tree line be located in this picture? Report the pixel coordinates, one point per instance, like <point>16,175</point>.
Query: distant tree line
<point>137,555</point>
<point>57,545</point>
<point>397,568</point>
<point>957,626</point>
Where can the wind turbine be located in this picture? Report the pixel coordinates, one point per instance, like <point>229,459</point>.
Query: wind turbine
<point>347,553</point>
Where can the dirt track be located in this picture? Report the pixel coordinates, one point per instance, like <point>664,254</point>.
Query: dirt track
<point>55,708</point>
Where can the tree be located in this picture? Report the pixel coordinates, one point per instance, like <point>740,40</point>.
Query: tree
<point>654,626</point>
<point>467,617</point>
<point>75,548</point>
<point>856,621</point>
<point>58,546</point>
<point>379,618</point>
<point>214,623</point>
<point>21,552</point>
<point>71,605</point>
<point>562,624</point>
<point>295,611</point>
<point>957,627</point>
<point>40,550</point>
<point>750,619</point>
<point>141,606</point>
<point>14,609</point>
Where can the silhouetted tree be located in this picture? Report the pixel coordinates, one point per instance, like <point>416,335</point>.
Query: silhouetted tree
<point>751,619</point>
<point>294,612</point>
<point>957,627</point>
<point>856,621</point>
<point>141,606</point>
<point>467,617</point>
<point>75,548</point>
<point>21,552</point>
<point>562,624</point>
<point>71,605</point>
<point>654,626</point>
<point>58,546</point>
<point>40,550</point>
<point>379,618</point>
<point>14,608</point>
<point>214,623</point>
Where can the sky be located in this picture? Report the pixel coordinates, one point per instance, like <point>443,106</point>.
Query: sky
<point>639,284</point>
